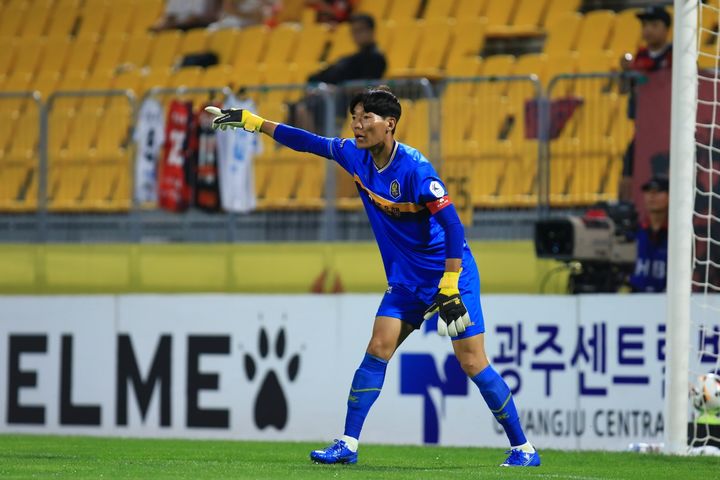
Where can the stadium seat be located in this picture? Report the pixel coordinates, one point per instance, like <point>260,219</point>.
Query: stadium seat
<point>498,15</point>
<point>216,76</point>
<point>94,17</point>
<point>64,17</point>
<point>433,49</point>
<point>108,188</point>
<point>55,54</point>
<point>562,33</point>
<point>528,17</point>
<point>7,55</point>
<point>531,64</point>
<point>165,49</point>
<point>341,43</point>
<point>281,44</point>
<point>28,56</point>
<point>470,35</point>
<point>224,43</point>
<point>626,34</point>
<point>402,10</point>
<point>37,21</point>
<point>559,8</point>
<point>13,18</point>
<point>18,190</point>
<point>121,18</point>
<point>137,49</point>
<point>82,54</point>
<point>193,41</point>
<point>311,185</point>
<point>470,9</point>
<point>595,31</point>
<point>598,61</point>
<point>110,53</point>
<point>439,9</point>
<point>249,57</point>
<point>378,9</point>
<point>146,13</point>
<point>312,43</point>
<point>188,77</point>
<point>403,53</point>
<point>45,82</point>
<point>282,182</point>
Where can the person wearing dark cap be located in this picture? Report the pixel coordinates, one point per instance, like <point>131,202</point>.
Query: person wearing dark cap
<point>652,239</point>
<point>656,55</point>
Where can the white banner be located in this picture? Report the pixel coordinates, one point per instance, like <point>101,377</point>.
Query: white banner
<point>587,372</point>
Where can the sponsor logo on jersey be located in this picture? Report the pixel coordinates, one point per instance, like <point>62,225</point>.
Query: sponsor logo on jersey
<point>395,189</point>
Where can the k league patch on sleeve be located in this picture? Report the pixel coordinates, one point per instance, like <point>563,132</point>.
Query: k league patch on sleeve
<point>437,189</point>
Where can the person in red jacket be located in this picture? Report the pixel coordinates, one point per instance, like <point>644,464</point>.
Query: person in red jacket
<point>655,55</point>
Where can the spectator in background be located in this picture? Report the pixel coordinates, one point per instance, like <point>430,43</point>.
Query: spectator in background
<point>652,239</point>
<point>367,63</point>
<point>656,55</point>
<point>187,14</point>
<point>242,13</point>
<point>331,11</point>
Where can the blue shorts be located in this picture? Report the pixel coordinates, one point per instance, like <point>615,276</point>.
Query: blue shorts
<point>408,303</point>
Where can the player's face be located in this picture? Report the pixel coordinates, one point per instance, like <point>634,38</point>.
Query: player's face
<point>369,128</point>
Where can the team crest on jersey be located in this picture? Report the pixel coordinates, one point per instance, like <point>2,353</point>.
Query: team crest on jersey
<point>395,189</point>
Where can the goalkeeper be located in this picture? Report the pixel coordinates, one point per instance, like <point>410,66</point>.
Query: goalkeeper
<point>430,269</point>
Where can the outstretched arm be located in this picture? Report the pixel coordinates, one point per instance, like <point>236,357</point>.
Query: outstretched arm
<point>295,138</point>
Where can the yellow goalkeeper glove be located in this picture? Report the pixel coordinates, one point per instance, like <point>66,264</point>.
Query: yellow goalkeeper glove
<point>453,317</point>
<point>235,118</point>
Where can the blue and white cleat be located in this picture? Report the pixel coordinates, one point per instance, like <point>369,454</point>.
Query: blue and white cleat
<point>338,452</point>
<point>518,458</point>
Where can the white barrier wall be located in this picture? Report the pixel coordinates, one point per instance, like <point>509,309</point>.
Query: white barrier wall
<point>587,371</point>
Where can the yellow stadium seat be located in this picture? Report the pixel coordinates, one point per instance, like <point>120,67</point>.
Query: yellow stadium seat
<point>498,65</point>
<point>283,179</point>
<point>67,186</point>
<point>63,19</point>
<point>107,188</point>
<point>250,48</point>
<point>113,132</point>
<point>216,76</point>
<point>528,16</point>
<point>188,77</point>
<point>531,64</point>
<point>281,44</point>
<point>28,56</point>
<point>37,22</point>
<point>24,142</point>
<point>313,41</point>
<point>498,14</point>
<point>18,190</point>
<point>626,34</point>
<point>434,49</point>
<point>470,38</point>
<point>13,18</point>
<point>223,43</point>
<point>401,10</point>
<point>403,53</point>
<point>598,61</point>
<point>94,18</point>
<point>559,8</point>
<point>121,19</point>
<point>82,54</point>
<point>595,31</point>
<point>563,33</point>
<point>130,80</point>
<point>138,49</point>
<point>487,177</point>
<point>158,77</point>
<point>146,13</point>
<point>110,53</point>
<point>55,55</point>
<point>7,54</point>
<point>194,41</point>
<point>378,9</point>
<point>439,9</point>
<point>311,185</point>
<point>464,66</point>
<point>45,82</point>
<point>165,49</point>
<point>342,43</point>
<point>558,64</point>
<point>470,9</point>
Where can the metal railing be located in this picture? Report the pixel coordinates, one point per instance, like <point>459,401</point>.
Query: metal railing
<point>505,146</point>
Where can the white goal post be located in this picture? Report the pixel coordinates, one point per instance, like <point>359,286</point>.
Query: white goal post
<point>682,190</point>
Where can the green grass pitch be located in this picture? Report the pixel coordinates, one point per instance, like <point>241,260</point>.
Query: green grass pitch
<point>25,456</point>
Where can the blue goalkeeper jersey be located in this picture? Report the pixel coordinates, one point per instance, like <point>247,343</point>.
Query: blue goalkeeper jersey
<point>400,200</point>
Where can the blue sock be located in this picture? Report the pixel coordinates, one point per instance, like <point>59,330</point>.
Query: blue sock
<point>498,397</point>
<point>366,386</point>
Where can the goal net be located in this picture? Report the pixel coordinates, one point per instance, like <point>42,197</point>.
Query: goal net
<point>703,407</point>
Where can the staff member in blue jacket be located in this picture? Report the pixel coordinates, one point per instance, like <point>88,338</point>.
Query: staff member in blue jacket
<point>652,239</point>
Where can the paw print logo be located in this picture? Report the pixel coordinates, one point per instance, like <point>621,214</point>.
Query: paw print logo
<point>271,407</point>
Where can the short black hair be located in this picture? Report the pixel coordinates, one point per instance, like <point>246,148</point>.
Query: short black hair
<point>378,100</point>
<point>368,20</point>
